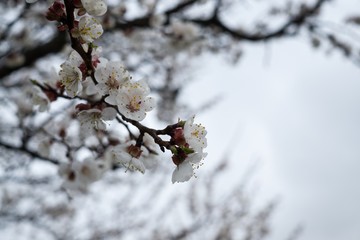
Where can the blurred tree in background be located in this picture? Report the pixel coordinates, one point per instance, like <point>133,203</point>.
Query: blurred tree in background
<point>156,40</point>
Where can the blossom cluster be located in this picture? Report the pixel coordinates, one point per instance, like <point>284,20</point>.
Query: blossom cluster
<point>78,175</point>
<point>190,141</point>
<point>113,83</point>
<point>119,97</point>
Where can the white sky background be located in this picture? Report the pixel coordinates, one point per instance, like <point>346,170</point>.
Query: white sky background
<point>297,110</point>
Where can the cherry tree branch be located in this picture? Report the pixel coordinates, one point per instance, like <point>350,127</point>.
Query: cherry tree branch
<point>28,152</point>
<point>295,21</point>
<point>75,43</point>
<point>58,41</point>
<point>55,45</point>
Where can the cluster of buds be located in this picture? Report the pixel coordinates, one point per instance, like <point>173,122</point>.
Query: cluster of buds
<point>85,75</point>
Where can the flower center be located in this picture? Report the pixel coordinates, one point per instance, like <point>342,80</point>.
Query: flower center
<point>195,133</point>
<point>85,171</point>
<point>71,176</point>
<point>112,83</point>
<point>134,104</point>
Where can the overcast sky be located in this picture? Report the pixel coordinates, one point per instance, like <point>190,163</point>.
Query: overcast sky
<point>297,110</point>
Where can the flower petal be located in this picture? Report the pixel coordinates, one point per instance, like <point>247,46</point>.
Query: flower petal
<point>182,173</point>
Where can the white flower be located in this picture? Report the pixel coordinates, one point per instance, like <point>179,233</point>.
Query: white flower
<point>185,170</point>
<point>78,175</point>
<point>133,102</point>
<point>195,135</point>
<point>128,155</point>
<point>111,77</point>
<point>68,174</point>
<point>94,118</point>
<point>89,29</point>
<point>182,173</point>
<point>184,31</point>
<point>40,99</point>
<point>94,7</point>
<point>70,78</point>
<point>87,171</point>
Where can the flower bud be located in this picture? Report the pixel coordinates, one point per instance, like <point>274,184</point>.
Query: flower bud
<point>177,137</point>
<point>56,11</point>
<point>179,157</point>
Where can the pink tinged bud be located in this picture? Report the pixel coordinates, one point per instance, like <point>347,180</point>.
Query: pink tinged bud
<point>59,10</point>
<point>58,7</point>
<point>51,16</point>
<point>177,137</point>
<point>56,11</point>
<point>95,61</point>
<point>83,69</point>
